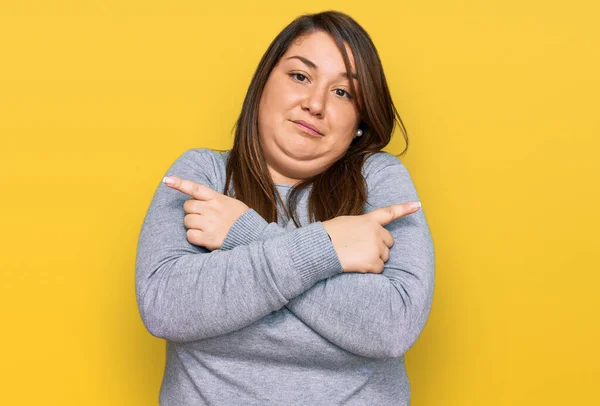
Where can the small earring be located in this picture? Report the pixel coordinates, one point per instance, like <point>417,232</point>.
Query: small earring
<point>359,132</point>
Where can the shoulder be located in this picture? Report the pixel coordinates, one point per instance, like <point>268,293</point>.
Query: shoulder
<point>380,162</point>
<point>202,165</point>
<point>203,156</point>
<point>388,180</point>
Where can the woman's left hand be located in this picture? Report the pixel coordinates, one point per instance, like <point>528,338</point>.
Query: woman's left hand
<point>209,215</point>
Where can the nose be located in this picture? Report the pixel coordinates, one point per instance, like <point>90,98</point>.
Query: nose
<point>314,101</point>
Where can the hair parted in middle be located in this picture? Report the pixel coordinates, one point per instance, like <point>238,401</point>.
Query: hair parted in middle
<point>339,190</point>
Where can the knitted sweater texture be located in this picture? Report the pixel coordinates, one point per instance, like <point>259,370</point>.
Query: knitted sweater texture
<point>270,318</point>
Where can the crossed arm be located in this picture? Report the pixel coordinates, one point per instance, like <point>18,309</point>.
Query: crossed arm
<point>374,315</point>
<point>186,292</point>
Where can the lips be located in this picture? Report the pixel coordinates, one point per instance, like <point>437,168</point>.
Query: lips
<point>307,127</point>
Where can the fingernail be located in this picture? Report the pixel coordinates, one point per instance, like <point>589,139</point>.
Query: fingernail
<point>168,180</point>
<point>415,205</point>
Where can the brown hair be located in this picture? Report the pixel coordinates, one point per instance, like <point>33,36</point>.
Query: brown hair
<point>340,189</point>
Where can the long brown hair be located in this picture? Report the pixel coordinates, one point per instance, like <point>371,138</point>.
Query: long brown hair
<point>340,189</point>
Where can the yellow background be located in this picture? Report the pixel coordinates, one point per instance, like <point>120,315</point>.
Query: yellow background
<point>500,99</point>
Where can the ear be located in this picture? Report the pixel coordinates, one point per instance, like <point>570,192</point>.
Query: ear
<point>362,127</point>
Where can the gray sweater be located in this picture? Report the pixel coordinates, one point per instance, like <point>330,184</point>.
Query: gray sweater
<point>270,319</point>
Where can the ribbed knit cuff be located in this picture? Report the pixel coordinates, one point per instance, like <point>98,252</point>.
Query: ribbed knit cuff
<point>313,254</point>
<point>247,228</point>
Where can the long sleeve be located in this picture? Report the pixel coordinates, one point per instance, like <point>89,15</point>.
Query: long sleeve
<point>186,293</point>
<point>368,314</point>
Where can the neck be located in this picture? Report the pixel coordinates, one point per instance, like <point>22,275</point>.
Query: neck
<point>282,179</point>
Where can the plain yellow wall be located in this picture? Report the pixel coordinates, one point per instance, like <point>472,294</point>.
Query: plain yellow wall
<point>500,99</point>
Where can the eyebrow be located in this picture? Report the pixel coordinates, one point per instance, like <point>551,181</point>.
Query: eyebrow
<point>314,66</point>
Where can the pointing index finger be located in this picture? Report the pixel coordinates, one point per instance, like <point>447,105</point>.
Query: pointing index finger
<point>196,190</point>
<point>386,215</point>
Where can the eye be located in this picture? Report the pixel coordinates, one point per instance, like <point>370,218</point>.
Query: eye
<point>343,93</point>
<point>298,76</point>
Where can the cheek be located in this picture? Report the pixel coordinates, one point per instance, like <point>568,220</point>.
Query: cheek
<point>344,120</point>
<point>276,107</point>
<point>266,112</point>
<point>277,94</point>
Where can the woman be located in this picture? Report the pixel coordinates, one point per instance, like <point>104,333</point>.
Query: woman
<point>296,268</point>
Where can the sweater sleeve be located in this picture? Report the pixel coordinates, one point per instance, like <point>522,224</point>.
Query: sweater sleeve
<point>186,292</point>
<point>373,315</point>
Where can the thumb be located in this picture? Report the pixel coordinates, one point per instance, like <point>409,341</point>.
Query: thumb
<point>386,215</point>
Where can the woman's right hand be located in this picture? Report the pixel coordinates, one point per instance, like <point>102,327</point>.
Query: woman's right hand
<point>361,242</point>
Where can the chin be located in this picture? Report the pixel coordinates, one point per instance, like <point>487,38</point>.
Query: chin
<point>301,154</point>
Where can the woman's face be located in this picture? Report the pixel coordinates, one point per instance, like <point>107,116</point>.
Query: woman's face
<point>308,87</point>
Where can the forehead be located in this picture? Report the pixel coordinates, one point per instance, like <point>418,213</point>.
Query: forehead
<point>321,49</point>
